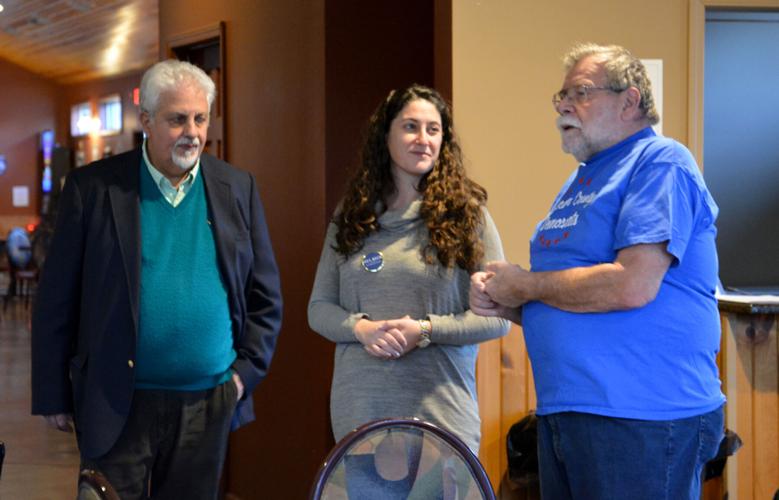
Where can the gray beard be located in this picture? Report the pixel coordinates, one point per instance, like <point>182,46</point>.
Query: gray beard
<point>184,163</point>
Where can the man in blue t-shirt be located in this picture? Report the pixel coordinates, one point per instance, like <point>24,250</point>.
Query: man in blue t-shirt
<point>618,308</point>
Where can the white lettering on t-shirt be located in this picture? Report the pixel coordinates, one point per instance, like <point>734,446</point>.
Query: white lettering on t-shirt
<point>563,204</point>
<point>579,199</point>
<point>584,199</point>
<point>560,223</point>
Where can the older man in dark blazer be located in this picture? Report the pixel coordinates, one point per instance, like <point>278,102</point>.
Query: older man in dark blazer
<point>159,305</point>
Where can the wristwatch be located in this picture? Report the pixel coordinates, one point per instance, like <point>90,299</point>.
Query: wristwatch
<point>424,336</point>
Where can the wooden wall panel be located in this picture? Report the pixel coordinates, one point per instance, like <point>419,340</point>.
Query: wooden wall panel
<point>489,388</point>
<point>506,394</point>
<point>751,384</point>
<point>766,412</point>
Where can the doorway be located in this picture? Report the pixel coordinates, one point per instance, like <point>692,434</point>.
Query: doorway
<point>741,79</point>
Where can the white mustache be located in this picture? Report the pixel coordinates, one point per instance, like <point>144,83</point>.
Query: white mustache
<point>567,121</point>
<point>188,142</point>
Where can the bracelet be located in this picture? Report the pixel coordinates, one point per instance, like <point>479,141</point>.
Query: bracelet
<point>424,333</point>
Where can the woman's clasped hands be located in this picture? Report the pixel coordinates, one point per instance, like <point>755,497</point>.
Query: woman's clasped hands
<point>388,339</point>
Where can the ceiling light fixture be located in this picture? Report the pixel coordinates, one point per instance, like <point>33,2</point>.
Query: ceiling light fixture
<point>1,7</point>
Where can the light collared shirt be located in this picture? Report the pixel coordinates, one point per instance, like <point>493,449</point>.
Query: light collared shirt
<point>173,195</point>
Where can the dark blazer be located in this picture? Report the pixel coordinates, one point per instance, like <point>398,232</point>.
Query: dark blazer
<point>85,321</point>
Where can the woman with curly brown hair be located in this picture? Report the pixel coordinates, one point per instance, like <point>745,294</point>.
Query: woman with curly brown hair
<point>391,288</point>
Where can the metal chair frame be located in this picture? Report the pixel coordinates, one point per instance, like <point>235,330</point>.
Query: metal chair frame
<point>345,444</point>
<point>98,484</point>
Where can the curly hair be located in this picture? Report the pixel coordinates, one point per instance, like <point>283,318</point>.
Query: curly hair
<point>623,70</point>
<point>451,202</point>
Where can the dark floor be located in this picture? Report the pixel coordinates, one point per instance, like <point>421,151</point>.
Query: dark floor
<point>40,463</point>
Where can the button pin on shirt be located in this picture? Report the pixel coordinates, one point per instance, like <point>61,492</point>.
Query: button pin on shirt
<point>373,262</point>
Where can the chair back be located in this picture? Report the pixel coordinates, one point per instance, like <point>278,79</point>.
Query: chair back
<point>18,248</point>
<point>404,459</point>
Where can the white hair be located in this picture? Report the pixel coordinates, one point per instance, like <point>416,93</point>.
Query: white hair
<point>170,75</point>
<point>623,70</point>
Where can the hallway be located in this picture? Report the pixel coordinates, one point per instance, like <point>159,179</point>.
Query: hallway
<point>40,463</point>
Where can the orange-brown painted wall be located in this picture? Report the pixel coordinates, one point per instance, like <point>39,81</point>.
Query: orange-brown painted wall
<point>28,106</point>
<point>31,104</point>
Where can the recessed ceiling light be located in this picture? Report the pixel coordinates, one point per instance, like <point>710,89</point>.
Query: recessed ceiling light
<point>1,7</point>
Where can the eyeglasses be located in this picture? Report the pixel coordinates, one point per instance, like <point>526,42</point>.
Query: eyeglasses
<point>577,94</point>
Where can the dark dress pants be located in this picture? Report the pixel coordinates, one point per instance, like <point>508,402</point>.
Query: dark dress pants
<point>172,446</point>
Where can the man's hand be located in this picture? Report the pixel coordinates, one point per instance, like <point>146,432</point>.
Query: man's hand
<point>60,421</point>
<point>507,284</point>
<point>483,305</point>
<point>238,385</point>
<point>631,281</point>
<point>379,339</point>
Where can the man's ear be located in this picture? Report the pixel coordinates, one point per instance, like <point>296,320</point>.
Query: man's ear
<point>145,119</point>
<point>631,104</point>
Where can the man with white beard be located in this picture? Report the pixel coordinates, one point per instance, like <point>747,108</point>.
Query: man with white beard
<point>159,304</point>
<point>618,307</point>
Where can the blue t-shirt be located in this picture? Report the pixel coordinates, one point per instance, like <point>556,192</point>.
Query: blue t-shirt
<point>657,362</point>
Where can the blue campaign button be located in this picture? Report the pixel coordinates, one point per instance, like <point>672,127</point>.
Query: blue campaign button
<point>373,262</point>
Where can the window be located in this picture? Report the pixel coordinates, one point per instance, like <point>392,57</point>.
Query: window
<point>110,109</point>
<point>80,119</point>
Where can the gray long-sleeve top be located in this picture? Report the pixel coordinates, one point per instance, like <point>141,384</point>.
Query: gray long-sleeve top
<point>436,384</point>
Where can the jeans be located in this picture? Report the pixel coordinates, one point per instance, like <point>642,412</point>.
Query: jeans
<point>585,456</point>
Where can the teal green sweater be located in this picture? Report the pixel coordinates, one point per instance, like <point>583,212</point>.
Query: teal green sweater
<point>184,333</point>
